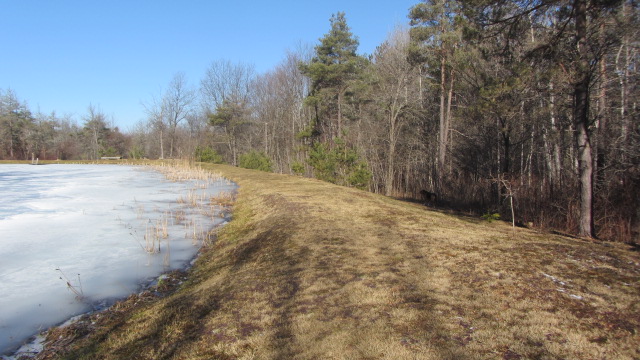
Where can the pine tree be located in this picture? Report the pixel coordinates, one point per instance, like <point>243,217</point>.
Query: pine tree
<point>332,71</point>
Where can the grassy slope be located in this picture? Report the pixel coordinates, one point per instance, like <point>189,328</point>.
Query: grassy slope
<point>310,270</point>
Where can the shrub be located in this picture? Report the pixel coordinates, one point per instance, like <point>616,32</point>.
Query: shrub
<point>136,152</point>
<point>323,162</point>
<point>360,176</point>
<point>339,165</point>
<point>207,154</point>
<point>490,217</point>
<point>297,168</point>
<point>109,151</point>
<point>255,160</point>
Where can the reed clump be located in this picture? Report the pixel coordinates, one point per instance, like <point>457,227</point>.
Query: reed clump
<point>223,199</point>
<point>185,171</point>
<point>195,203</point>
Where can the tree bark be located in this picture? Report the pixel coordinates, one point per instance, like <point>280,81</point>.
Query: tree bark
<point>442,137</point>
<point>622,69</point>
<point>581,119</point>
<point>447,124</point>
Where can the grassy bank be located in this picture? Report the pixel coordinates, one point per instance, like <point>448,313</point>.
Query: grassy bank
<point>309,270</point>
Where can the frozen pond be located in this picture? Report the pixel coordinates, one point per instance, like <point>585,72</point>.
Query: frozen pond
<point>74,238</point>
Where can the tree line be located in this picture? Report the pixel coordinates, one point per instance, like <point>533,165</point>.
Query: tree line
<point>526,109</point>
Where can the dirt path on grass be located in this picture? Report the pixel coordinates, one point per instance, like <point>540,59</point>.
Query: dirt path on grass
<point>309,270</point>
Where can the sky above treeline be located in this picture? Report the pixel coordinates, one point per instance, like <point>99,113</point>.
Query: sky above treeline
<point>64,55</point>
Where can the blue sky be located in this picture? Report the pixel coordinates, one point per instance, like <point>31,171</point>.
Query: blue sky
<point>63,55</point>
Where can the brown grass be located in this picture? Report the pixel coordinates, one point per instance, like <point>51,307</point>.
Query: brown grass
<point>309,270</point>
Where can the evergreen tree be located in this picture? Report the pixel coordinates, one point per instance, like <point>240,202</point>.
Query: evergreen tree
<point>256,160</point>
<point>339,165</point>
<point>332,71</point>
<point>231,117</point>
<point>15,120</point>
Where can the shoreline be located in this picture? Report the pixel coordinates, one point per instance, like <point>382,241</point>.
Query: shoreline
<point>180,256</point>
<point>46,341</point>
<point>157,288</point>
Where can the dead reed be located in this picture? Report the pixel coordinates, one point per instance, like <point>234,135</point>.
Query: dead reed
<point>75,289</point>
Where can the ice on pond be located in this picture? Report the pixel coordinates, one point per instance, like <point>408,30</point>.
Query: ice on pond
<point>76,236</point>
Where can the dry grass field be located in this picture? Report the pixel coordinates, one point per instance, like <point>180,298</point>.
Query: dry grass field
<point>309,270</point>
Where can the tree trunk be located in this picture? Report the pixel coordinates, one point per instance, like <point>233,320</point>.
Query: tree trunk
<point>95,144</point>
<point>506,143</point>
<point>161,145</point>
<point>340,99</point>
<point>171,144</point>
<point>10,140</point>
<point>442,153</point>
<point>388,186</point>
<point>581,119</point>
<point>622,69</point>
<point>390,155</point>
<point>554,162</point>
<point>447,123</point>
<point>600,139</point>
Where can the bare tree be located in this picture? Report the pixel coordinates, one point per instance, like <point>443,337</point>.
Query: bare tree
<point>226,81</point>
<point>177,105</point>
<point>226,95</point>
<point>95,127</point>
<point>278,107</point>
<point>156,110</point>
<point>395,95</point>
